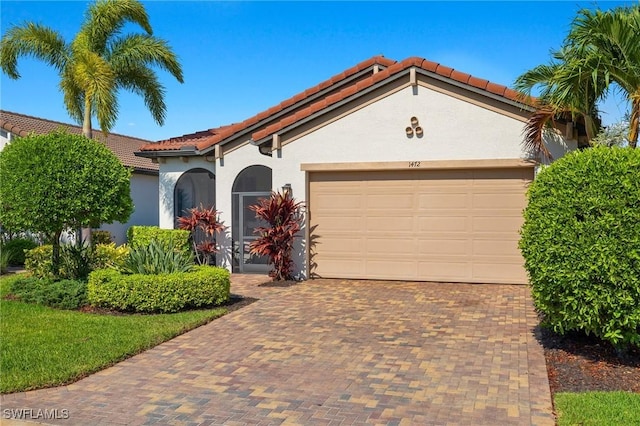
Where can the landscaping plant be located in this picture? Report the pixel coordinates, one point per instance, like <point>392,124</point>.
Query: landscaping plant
<point>172,292</point>
<point>202,221</point>
<point>157,258</point>
<point>58,181</point>
<point>283,216</point>
<point>581,244</point>
<point>18,247</point>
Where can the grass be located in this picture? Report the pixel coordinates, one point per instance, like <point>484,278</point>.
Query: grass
<point>43,347</point>
<point>598,408</point>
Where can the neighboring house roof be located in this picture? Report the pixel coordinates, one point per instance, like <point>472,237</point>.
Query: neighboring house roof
<point>122,146</point>
<point>341,87</point>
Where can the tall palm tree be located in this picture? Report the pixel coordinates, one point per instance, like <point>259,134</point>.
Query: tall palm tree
<point>613,37</point>
<point>601,48</point>
<point>98,61</point>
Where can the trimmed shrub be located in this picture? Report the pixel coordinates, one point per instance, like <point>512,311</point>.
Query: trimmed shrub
<point>581,244</point>
<point>63,294</point>
<point>17,248</point>
<point>204,286</point>
<point>143,235</point>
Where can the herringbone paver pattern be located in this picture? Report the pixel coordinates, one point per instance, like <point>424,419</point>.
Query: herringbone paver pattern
<point>331,352</point>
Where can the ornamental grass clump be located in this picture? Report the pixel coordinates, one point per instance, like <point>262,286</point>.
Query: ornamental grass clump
<point>283,216</point>
<point>581,244</point>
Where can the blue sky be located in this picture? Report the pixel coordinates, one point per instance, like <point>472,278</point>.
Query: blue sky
<point>240,58</point>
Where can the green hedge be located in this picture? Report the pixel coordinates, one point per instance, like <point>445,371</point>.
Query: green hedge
<point>581,244</point>
<point>143,235</point>
<point>204,286</point>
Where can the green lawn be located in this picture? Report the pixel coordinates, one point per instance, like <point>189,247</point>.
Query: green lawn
<point>598,408</point>
<point>43,347</point>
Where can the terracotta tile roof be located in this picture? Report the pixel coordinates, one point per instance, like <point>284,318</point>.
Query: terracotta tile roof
<point>269,123</point>
<point>122,146</point>
<point>206,138</point>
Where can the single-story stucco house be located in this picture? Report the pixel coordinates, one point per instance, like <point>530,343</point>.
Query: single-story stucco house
<point>144,176</point>
<point>409,171</point>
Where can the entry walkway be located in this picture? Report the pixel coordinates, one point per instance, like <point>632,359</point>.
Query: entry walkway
<point>330,352</point>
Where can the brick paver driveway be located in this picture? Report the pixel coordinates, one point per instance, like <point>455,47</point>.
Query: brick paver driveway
<point>331,352</point>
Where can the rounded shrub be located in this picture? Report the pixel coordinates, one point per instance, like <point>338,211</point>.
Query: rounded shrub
<point>202,286</point>
<point>581,244</point>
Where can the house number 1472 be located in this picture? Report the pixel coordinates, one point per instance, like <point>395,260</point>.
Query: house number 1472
<point>413,164</point>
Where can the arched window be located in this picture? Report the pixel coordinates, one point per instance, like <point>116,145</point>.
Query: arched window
<point>251,184</point>
<point>194,188</point>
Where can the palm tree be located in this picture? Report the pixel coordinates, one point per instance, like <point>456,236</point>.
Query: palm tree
<point>601,48</point>
<point>613,37</point>
<point>568,91</point>
<point>98,62</point>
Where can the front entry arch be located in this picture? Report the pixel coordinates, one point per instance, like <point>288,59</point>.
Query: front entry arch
<point>251,184</point>
<point>194,188</point>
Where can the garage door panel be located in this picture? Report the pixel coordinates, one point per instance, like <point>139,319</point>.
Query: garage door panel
<point>386,200</point>
<point>443,200</point>
<point>341,268</point>
<point>391,222</point>
<point>401,269</point>
<point>512,272</point>
<point>343,223</point>
<point>340,244</point>
<point>495,223</point>
<point>443,246</point>
<point>444,225</point>
<point>495,247</point>
<point>498,201</point>
<point>445,270</point>
<point>391,247</point>
<point>342,202</point>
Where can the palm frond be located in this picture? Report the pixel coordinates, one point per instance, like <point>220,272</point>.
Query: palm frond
<point>105,19</point>
<point>32,40</point>
<point>144,49</point>
<point>144,82</point>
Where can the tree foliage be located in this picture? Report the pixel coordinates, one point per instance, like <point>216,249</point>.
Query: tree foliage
<point>58,181</point>
<point>98,62</point>
<point>581,243</point>
<point>601,53</point>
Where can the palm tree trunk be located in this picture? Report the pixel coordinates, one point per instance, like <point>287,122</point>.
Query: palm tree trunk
<point>634,120</point>
<point>87,132</point>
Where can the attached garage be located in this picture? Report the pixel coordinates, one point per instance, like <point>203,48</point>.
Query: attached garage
<point>434,224</point>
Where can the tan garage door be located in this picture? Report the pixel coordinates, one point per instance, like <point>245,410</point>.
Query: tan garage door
<point>431,225</point>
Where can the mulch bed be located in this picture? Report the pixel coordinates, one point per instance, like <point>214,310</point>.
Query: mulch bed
<point>579,363</point>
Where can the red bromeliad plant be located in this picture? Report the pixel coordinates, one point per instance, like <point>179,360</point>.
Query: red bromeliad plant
<point>283,216</point>
<point>205,220</point>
